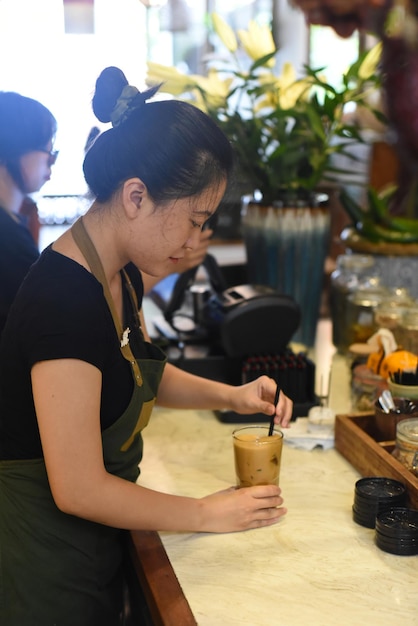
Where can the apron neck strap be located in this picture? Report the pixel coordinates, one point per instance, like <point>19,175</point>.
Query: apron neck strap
<point>86,246</point>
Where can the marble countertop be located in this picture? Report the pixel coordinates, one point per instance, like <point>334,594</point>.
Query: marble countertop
<point>315,566</point>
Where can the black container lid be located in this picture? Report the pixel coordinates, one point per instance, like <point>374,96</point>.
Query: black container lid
<point>375,498</point>
<point>369,504</point>
<point>398,522</point>
<point>379,488</point>
<point>397,546</point>
<point>374,495</point>
<point>397,531</point>
<point>366,519</point>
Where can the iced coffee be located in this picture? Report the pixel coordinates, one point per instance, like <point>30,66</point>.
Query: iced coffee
<point>257,455</point>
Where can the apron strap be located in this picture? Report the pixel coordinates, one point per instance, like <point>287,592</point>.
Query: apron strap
<point>85,244</point>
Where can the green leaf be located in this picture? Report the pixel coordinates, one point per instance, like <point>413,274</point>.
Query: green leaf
<point>262,61</point>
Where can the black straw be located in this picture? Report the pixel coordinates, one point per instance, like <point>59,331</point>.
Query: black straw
<point>276,399</point>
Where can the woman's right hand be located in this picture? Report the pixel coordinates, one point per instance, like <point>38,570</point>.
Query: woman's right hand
<point>241,509</point>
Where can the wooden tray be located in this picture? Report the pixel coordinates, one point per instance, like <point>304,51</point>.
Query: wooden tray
<point>358,439</point>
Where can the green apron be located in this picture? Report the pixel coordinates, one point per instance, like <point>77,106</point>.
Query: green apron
<point>58,569</point>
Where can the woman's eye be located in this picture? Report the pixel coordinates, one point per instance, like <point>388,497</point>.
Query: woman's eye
<point>196,225</point>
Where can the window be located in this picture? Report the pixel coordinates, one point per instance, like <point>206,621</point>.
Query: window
<point>344,52</point>
<point>60,69</point>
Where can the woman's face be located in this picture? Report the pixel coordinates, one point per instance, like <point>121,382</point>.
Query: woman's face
<point>165,233</point>
<point>35,167</point>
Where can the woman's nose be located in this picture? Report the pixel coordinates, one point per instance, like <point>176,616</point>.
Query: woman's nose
<point>193,240</point>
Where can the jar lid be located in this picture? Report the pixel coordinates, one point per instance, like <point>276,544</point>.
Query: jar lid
<point>408,430</point>
<point>387,314</point>
<point>398,522</point>
<point>379,488</point>
<point>410,317</point>
<point>374,495</point>
<point>400,296</point>
<point>368,297</point>
<point>401,293</point>
<point>355,261</point>
<point>397,531</point>
<point>403,303</point>
<point>366,519</point>
<point>401,547</point>
<point>389,307</point>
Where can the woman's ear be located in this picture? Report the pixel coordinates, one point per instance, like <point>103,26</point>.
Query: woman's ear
<point>133,194</point>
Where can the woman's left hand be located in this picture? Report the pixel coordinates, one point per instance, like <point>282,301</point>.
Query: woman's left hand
<point>258,397</point>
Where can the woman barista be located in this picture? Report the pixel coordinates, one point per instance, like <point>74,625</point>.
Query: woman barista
<point>79,377</point>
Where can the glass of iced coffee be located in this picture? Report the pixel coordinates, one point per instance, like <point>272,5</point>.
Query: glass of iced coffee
<point>257,455</point>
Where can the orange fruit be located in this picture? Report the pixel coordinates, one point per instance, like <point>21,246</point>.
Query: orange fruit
<point>400,360</point>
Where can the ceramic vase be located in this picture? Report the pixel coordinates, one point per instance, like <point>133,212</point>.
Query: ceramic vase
<point>286,247</point>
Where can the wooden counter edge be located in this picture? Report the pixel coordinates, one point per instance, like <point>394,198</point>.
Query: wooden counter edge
<point>166,601</point>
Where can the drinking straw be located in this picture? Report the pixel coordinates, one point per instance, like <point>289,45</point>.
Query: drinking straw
<point>276,399</point>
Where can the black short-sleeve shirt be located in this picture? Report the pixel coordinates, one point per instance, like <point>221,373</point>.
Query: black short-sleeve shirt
<point>61,312</point>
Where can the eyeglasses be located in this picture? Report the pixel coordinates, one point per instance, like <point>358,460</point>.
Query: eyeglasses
<point>53,155</point>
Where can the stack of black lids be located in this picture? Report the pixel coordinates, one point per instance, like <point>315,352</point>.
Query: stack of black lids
<point>397,531</point>
<point>375,495</point>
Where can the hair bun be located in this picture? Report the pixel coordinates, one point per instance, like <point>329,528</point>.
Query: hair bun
<point>114,99</point>
<point>109,87</point>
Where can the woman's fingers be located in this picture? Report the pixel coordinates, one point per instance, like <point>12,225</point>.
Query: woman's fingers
<point>242,509</point>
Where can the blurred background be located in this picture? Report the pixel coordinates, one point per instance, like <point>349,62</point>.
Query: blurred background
<point>53,51</point>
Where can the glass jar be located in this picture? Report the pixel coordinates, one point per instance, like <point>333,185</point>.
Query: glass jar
<point>361,306</point>
<point>409,330</point>
<point>366,387</point>
<point>406,449</point>
<point>350,271</point>
<point>390,312</point>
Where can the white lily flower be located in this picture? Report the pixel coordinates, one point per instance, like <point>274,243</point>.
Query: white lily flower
<point>224,32</point>
<point>174,81</point>
<point>370,62</point>
<point>258,41</point>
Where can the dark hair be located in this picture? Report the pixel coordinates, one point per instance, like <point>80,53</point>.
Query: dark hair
<point>172,146</point>
<point>25,125</point>
<point>94,132</point>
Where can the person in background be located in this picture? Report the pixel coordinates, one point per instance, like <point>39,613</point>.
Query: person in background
<point>29,211</point>
<point>192,258</point>
<point>94,132</point>
<point>79,376</point>
<point>344,16</point>
<point>27,131</point>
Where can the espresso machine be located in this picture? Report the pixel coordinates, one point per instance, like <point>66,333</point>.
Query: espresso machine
<point>233,334</point>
